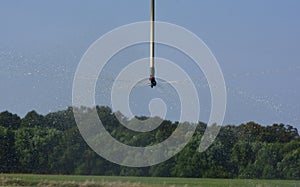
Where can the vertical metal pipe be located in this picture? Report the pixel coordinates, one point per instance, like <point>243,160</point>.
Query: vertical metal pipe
<point>152,19</point>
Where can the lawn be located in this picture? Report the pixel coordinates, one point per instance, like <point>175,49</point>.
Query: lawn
<point>107,181</point>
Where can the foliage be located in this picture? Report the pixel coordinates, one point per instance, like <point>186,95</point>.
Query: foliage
<point>52,144</point>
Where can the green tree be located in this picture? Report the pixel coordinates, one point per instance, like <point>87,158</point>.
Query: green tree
<point>242,155</point>
<point>68,152</point>
<point>61,120</point>
<point>33,147</point>
<point>250,131</point>
<point>9,120</point>
<point>279,133</point>
<point>289,167</point>
<point>92,164</point>
<point>267,159</point>
<point>8,158</point>
<point>33,119</point>
<point>163,169</point>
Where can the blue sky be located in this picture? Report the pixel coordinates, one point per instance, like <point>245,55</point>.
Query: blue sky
<point>255,42</point>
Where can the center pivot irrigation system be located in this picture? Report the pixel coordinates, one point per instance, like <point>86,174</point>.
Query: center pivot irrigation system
<point>152,44</point>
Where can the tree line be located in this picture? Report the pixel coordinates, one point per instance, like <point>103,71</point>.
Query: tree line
<point>52,144</point>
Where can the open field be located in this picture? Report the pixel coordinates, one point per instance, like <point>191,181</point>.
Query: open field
<point>107,181</point>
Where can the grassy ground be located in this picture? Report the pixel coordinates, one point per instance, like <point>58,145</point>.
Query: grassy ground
<point>105,181</point>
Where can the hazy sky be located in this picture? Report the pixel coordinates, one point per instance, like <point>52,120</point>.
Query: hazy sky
<point>256,43</point>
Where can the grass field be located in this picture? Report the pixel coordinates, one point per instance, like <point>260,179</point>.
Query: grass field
<point>105,181</point>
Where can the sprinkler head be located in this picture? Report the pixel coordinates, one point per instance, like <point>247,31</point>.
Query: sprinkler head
<point>153,81</point>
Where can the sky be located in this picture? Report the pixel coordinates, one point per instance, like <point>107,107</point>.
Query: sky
<point>255,42</point>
